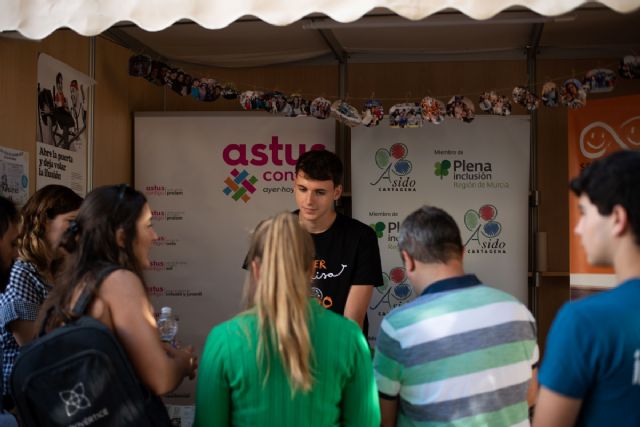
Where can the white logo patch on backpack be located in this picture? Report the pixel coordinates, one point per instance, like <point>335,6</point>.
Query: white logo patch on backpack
<point>74,399</point>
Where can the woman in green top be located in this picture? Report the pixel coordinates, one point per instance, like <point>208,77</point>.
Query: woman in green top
<point>285,361</point>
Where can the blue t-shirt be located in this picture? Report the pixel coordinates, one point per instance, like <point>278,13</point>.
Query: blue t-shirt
<point>593,354</point>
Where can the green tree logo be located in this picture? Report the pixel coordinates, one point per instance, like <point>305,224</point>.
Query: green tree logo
<point>442,168</point>
<point>378,227</point>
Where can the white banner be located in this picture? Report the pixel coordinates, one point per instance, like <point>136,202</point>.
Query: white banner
<point>61,132</point>
<point>478,172</point>
<point>14,175</point>
<point>209,179</point>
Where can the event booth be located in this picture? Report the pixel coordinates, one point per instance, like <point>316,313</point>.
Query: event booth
<point>497,152</point>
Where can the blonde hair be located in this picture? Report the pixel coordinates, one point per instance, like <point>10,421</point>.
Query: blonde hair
<point>284,253</point>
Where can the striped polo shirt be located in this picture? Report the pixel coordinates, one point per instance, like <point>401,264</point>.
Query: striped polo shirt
<point>461,354</point>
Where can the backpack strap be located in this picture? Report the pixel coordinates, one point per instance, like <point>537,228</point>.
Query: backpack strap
<point>86,297</point>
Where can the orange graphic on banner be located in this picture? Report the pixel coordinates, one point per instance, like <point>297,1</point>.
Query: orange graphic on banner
<point>598,129</point>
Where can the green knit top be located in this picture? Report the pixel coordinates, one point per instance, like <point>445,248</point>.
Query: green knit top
<point>231,389</point>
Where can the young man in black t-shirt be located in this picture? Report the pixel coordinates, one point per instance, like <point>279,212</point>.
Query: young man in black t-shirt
<point>347,262</point>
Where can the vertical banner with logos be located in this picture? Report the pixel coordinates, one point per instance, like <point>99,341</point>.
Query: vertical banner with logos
<point>14,175</point>
<point>600,128</point>
<point>478,172</point>
<point>61,130</point>
<point>209,179</point>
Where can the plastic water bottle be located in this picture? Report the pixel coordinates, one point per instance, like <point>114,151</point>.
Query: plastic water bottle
<point>167,325</point>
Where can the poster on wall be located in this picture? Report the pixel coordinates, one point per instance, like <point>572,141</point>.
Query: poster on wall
<point>209,179</point>
<point>600,128</point>
<point>14,175</point>
<point>61,130</point>
<point>477,172</point>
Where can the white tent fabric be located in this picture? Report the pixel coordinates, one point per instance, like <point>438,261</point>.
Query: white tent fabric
<point>37,19</point>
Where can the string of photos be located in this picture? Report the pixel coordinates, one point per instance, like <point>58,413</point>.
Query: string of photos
<point>572,93</point>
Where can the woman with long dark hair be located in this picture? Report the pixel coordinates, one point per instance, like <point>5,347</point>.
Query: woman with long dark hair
<point>113,230</point>
<point>285,361</point>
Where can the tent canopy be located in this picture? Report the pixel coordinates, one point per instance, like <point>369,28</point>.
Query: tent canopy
<point>38,18</point>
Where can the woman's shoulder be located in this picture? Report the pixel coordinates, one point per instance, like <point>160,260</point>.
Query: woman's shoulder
<point>241,323</point>
<point>121,281</point>
<point>237,335</point>
<point>23,268</point>
<point>24,276</point>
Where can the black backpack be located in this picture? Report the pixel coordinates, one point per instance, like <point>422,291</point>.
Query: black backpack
<point>79,375</point>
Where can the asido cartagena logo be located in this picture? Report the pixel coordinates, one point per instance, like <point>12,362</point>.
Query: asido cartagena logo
<point>240,185</point>
<point>395,291</point>
<point>485,231</point>
<point>395,169</point>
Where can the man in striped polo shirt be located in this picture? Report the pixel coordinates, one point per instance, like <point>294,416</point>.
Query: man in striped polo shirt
<point>462,353</point>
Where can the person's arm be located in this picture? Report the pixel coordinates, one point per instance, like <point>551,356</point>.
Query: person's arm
<point>532,392</point>
<point>389,411</point>
<point>213,401</point>
<point>555,410</point>
<point>357,303</point>
<point>367,274</point>
<point>134,325</point>
<point>568,370</point>
<point>20,303</point>
<point>22,330</point>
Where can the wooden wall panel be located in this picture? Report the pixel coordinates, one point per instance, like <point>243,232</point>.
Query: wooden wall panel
<point>113,129</point>
<point>18,79</point>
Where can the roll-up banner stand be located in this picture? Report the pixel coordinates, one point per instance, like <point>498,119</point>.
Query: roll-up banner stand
<point>478,172</point>
<point>209,179</point>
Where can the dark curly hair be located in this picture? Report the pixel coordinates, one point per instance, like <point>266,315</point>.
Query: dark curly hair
<point>613,180</point>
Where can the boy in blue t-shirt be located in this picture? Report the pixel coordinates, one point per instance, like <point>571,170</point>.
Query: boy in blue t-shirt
<point>590,374</point>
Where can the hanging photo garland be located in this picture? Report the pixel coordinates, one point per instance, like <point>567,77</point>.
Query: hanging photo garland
<point>405,115</point>
<point>630,67</point>
<point>320,108</point>
<point>298,105</point>
<point>523,96</point>
<point>229,91</point>
<point>550,95</point>
<point>276,103</point>
<point>252,100</point>
<point>572,94</point>
<point>492,103</point>
<point>599,80</point>
<point>345,113</point>
<point>433,110</point>
<point>461,108</point>
<point>373,113</point>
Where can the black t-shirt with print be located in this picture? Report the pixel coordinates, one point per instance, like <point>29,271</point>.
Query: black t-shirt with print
<point>346,254</point>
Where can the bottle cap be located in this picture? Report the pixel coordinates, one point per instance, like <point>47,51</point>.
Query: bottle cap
<point>165,310</point>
